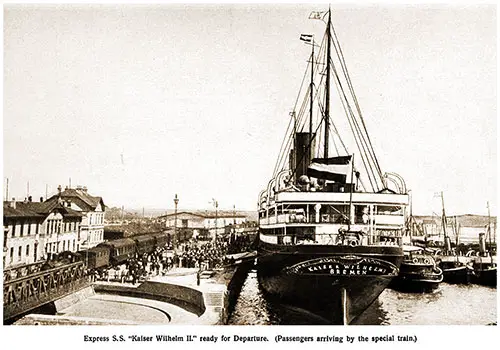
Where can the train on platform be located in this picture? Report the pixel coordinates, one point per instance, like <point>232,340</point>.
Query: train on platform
<point>114,252</point>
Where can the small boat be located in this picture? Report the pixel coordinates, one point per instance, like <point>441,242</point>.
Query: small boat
<point>485,271</point>
<point>456,269</point>
<point>485,263</point>
<point>418,271</point>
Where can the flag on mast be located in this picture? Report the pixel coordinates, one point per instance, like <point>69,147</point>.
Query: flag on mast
<point>317,15</point>
<point>306,37</point>
<point>334,168</point>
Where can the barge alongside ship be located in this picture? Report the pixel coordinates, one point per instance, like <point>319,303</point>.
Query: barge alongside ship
<point>330,232</point>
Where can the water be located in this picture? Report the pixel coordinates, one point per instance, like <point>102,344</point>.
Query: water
<point>447,305</point>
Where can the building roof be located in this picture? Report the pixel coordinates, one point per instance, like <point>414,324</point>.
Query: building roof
<point>209,214</point>
<point>19,211</point>
<point>37,209</point>
<point>80,197</point>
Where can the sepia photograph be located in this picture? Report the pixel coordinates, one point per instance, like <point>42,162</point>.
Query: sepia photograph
<point>222,164</point>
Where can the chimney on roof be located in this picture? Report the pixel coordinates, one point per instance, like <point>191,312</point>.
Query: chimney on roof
<point>41,199</point>
<point>66,188</point>
<point>30,199</point>
<point>84,188</point>
<point>59,189</point>
<point>12,204</point>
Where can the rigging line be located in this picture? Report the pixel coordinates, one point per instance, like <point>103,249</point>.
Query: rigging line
<point>337,132</point>
<point>349,81</point>
<point>301,86</point>
<point>294,108</point>
<point>300,116</point>
<point>363,141</point>
<point>288,138</point>
<point>369,153</point>
<point>361,149</point>
<point>284,154</point>
<point>361,182</point>
<point>281,147</point>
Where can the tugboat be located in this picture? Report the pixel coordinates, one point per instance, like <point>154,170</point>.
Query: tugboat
<point>330,232</point>
<point>418,273</point>
<point>456,269</point>
<point>485,263</point>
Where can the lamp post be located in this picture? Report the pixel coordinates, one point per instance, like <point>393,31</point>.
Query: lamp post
<point>216,204</point>
<point>176,201</point>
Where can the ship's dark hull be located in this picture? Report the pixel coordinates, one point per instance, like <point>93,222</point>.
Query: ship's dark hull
<point>485,276</point>
<point>457,275</point>
<point>416,279</point>
<point>336,283</point>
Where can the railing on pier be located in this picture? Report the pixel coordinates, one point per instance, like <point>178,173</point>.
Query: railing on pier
<point>26,293</point>
<point>11,273</point>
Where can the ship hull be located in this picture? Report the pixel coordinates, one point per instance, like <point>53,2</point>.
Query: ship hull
<point>485,276</point>
<point>415,279</point>
<point>457,275</point>
<point>336,283</point>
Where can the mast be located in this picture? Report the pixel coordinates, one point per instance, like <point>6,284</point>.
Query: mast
<point>443,220</point>
<point>489,230</point>
<point>457,240</point>
<point>350,196</point>
<point>311,96</point>
<point>327,96</point>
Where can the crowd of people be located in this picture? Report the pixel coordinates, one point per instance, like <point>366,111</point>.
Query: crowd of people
<point>204,255</point>
<point>209,254</point>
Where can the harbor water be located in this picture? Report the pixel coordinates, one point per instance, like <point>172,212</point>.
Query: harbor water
<point>448,305</point>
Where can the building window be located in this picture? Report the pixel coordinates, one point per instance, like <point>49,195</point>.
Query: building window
<point>29,228</point>
<point>22,229</point>
<point>14,230</point>
<point>11,254</point>
<point>37,226</point>
<point>27,250</point>
<point>19,253</point>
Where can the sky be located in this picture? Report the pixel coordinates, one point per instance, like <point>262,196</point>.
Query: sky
<point>142,102</point>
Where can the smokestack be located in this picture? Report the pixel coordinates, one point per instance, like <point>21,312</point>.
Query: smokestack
<point>482,244</point>
<point>447,244</point>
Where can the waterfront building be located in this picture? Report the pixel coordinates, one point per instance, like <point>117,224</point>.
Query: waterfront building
<point>202,221</point>
<point>92,210</point>
<point>34,231</point>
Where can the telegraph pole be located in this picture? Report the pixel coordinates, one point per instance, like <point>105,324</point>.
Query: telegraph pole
<point>176,201</point>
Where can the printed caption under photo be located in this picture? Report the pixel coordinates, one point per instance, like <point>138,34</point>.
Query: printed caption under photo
<point>227,338</point>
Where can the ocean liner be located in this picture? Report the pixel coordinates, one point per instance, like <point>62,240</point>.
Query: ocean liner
<point>330,221</point>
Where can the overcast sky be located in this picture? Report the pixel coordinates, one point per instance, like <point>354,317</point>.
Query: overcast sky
<point>141,102</point>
